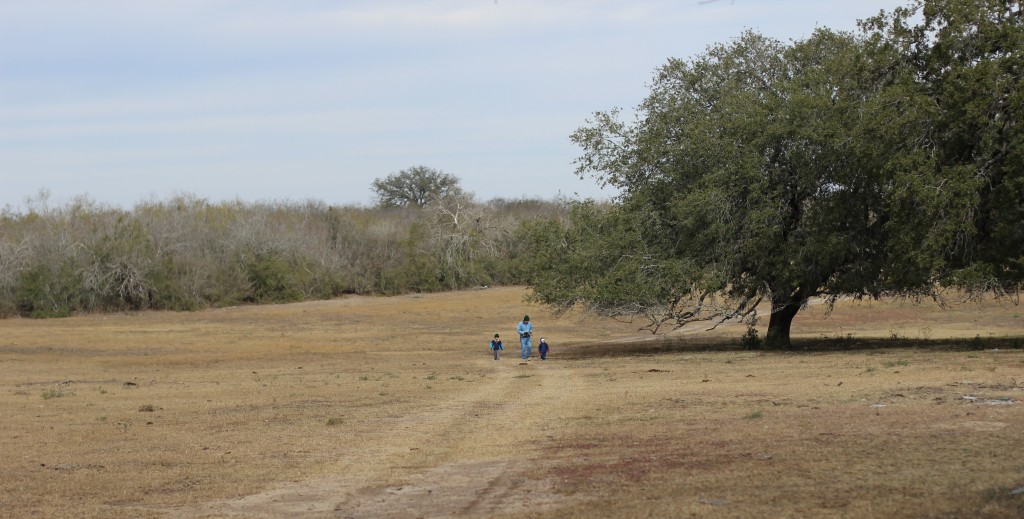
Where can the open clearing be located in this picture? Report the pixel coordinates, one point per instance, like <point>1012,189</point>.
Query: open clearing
<point>393,407</point>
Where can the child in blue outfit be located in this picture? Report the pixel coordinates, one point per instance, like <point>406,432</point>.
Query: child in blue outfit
<point>543,349</point>
<point>496,347</point>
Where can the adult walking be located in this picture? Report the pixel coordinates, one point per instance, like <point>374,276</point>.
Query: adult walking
<point>525,329</point>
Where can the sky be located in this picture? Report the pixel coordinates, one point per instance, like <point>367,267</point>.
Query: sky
<point>127,101</point>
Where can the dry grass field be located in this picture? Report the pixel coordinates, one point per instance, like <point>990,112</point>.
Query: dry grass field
<point>393,407</point>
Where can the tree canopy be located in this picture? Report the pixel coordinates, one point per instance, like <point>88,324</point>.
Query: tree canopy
<point>883,162</point>
<point>416,186</point>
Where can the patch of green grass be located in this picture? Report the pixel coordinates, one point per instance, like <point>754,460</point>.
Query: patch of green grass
<point>522,375</point>
<point>432,376</point>
<point>334,421</point>
<point>147,408</point>
<point>756,415</point>
<point>52,393</point>
<point>364,378</point>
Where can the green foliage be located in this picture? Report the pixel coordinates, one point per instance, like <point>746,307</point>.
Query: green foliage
<point>168,287</point>
<point>273,279</point>
<point>751,340</point>
<point>741,181</point>
<point>837,165</point>
<point>597,259</point>
<point>976,62</point>
<point>968,55</point>
<point>44,292</point>
<point>406,268</point>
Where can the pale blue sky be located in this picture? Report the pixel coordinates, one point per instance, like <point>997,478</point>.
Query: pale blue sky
<point>126,100</point>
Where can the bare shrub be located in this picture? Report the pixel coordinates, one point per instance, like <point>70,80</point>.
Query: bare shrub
<point>186,253</point>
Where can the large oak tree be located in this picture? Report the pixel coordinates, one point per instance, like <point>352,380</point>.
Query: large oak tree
<point>838,165</point>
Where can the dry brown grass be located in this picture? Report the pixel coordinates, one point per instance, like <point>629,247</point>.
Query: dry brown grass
<point>392,407</point>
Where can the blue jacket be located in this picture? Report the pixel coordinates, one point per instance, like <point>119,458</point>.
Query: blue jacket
<point>524,327</point>
<point>496,345</point>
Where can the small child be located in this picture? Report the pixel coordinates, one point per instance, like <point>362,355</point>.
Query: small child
<point>496,347</point>
<point>543,349</point>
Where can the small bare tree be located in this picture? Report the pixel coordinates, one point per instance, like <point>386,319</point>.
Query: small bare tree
<point>464,234</point>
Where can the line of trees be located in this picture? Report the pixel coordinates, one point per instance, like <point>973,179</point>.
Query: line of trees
<point>186,253</point>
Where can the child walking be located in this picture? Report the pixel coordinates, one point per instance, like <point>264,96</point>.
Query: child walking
<point>496,347</point>
<point>543,349</point>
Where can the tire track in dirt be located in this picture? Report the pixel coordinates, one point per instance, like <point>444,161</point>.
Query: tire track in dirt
<point>468,456</point>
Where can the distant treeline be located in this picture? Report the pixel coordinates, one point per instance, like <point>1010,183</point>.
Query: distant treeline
<point>187,253</point>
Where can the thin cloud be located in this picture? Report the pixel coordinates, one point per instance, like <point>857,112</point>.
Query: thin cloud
<point>414,18</point>
<point>310,95</point>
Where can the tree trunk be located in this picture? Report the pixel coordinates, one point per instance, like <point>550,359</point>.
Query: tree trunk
<point>783,311</point>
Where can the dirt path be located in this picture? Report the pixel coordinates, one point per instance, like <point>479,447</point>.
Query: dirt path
<point>471,455</point>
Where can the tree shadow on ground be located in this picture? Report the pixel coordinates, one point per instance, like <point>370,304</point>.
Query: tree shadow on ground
<point>663,345</point>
